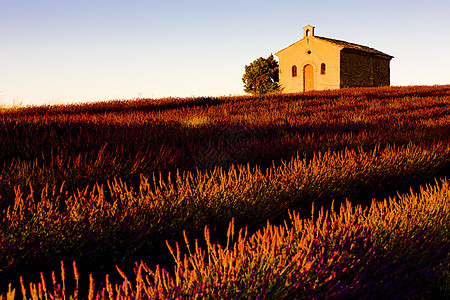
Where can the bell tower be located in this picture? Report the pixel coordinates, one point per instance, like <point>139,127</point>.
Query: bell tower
<point>308,30</point>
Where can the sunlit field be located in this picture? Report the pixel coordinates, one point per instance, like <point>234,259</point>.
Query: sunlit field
<point>318,195</point>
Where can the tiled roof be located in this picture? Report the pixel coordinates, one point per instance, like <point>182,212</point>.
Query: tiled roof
<point>352,46</point>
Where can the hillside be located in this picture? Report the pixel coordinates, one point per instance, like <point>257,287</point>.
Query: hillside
<point>117,182</point>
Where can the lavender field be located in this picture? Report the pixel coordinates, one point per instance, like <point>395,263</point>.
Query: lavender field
<point>331,194</point>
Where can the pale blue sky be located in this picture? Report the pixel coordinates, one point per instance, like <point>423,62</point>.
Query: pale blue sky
<point>65,51</point>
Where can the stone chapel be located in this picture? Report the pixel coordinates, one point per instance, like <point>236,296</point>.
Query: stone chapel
<point>319,63</point>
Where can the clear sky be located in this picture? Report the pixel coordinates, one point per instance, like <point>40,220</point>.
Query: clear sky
<point>65,51</point>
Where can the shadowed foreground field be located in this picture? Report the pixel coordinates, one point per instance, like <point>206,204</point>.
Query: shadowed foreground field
<point>150,185</point>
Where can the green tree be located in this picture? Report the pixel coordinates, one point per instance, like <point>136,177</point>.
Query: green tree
<point>261,76</point>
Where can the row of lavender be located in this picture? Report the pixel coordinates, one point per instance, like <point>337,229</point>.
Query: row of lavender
<point>82,145</point>
<point>393,249</point>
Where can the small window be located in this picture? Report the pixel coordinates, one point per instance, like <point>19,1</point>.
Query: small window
<point>309,52</point>
<point>294,71</point>
<point>323,69</point>
<point>308,32</point>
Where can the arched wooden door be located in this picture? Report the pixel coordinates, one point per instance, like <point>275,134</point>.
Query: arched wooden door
<point>308,78</point>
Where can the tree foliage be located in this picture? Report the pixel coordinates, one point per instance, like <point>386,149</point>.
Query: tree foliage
<point>261,76</point>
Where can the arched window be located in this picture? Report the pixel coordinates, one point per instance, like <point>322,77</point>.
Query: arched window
<point>294,71</point>
<point>308,32</point>
<point>323,69</point>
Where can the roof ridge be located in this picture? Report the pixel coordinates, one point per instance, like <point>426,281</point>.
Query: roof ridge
<point>353,46</point>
